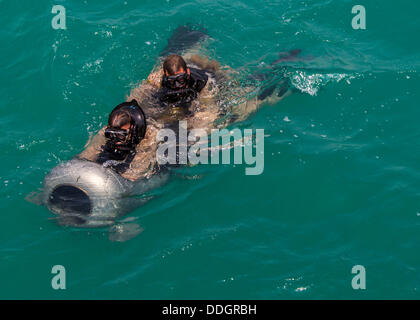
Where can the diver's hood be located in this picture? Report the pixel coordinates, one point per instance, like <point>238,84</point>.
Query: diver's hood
<point>138,119</point>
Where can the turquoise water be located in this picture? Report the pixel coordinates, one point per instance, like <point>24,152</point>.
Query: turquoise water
<point>341,185</point>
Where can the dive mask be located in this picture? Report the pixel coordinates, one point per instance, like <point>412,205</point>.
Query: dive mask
<point>116,134</point>
<point>177,81</point>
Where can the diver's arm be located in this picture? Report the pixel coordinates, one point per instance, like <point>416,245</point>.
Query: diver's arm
<point>202,62</point>
<point>145,159</point>
<point>209,108</point>
<point>202,120</point>
<point>151,84</point>
<point>94,147</point>
<point>141,92</point>
<point>199,78</point>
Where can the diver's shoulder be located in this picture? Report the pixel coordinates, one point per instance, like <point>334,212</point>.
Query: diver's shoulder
<point>155,78</point>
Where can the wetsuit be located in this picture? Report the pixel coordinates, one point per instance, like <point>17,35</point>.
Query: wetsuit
<point>119,161</point>
<point>183,97</point>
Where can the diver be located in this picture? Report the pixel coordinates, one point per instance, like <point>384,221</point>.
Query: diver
<point>127,144</point>
<point>187,85</point>
<point>180,84</point>
<point>180,80</point>
<point>126,128</point>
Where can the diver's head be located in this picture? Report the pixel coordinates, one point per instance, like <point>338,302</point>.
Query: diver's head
<point>120,125</point>
<point>175,72</point>
<point>126,128</point>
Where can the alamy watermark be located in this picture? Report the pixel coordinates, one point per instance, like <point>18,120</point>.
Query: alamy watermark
<point>192,147</point>
<point>58,282</point>
<point>59,20</point>
<point>358,282</point>
<point>359,20</point>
